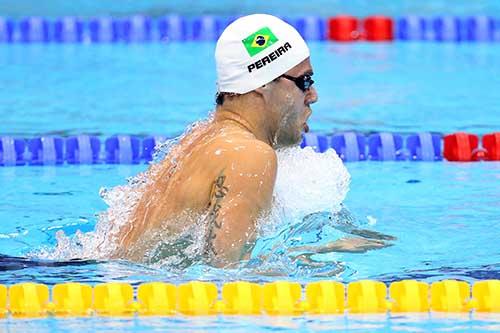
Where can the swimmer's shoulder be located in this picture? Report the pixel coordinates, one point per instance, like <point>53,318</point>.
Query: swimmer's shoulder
<point>245,152</point>
<point>241,146</point>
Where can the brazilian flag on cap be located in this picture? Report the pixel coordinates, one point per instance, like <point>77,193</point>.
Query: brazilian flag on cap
<point>259,41</point>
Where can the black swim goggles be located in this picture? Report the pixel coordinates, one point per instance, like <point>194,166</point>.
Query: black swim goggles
<point>304,82</point>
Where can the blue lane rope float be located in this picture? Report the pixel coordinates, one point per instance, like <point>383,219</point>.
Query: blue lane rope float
<point>103,30</point>
<point>47,150</point>
<point>448,29</point>
<point>83,149</point>
<point>285,298</point>
<point>424,147</point>
<point>68,30</point>
<point>350,146</point>
<point>173,28</point>
<point>385,147</point>
<point>34,29</point>
<point>12,151</point>
<point>140,28</point>
<point>312,28</point>
<point>123,149</point>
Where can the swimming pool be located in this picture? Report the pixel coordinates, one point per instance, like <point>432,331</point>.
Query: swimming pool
<point>445,215</point>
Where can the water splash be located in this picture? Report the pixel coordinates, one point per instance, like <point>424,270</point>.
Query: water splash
<point>307,182</point>
<point>121,200</point>
<point>309,191</point>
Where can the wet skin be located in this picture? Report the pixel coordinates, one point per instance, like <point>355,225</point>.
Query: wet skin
<point>221,174</point>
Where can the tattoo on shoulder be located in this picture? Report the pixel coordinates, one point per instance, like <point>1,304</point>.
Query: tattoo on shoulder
<point>218,192</point>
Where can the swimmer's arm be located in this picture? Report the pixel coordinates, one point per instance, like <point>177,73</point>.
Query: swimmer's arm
<point>241,193</point>
<point>350,245</point>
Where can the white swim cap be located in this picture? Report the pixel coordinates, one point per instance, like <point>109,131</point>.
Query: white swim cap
<point>254,50</point>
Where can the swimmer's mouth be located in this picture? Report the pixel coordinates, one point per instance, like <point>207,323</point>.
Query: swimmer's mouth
<point>306,128</point>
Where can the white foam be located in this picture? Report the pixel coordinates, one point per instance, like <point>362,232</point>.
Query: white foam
<point>307,182</point>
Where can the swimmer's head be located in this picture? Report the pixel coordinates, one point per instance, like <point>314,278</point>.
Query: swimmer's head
<point>254,50</point>
<point>263,56</point>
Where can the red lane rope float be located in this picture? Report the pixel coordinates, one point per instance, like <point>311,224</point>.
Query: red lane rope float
<point>459,147</point>
<point>378,28</point>
<point>343,28</point>
<point>464,147</point>
<point>491,142</point>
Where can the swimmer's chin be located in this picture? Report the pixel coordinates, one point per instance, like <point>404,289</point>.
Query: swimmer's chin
<point>291,140</point>
<point>288,144</point>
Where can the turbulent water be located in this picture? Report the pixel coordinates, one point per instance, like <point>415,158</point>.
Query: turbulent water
<point>307,211</point>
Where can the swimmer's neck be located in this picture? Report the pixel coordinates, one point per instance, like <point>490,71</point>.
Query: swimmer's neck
<point>250,115</point>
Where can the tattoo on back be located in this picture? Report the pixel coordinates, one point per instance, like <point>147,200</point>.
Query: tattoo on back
<point>219,191</point>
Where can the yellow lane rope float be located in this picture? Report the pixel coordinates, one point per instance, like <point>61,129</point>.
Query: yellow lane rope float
<point>28,300</point>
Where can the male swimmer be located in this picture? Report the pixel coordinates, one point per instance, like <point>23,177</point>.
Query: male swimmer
<point>221,174</point>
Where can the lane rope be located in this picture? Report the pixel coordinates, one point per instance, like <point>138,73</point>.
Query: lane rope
<point>350,146</point>
<point>341,28</point>
<point>25,300</point>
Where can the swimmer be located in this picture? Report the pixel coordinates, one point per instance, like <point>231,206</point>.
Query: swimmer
<point>221,174</point>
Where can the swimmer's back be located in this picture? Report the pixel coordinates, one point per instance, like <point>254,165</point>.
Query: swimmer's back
<point>219,171</point>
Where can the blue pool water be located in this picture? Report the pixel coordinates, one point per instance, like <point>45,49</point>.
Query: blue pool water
<point>375,324</point>
<point>161,88</point>
<point>445,216</point>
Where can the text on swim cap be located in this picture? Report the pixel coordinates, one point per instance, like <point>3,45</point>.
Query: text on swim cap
<point>270,57</point>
